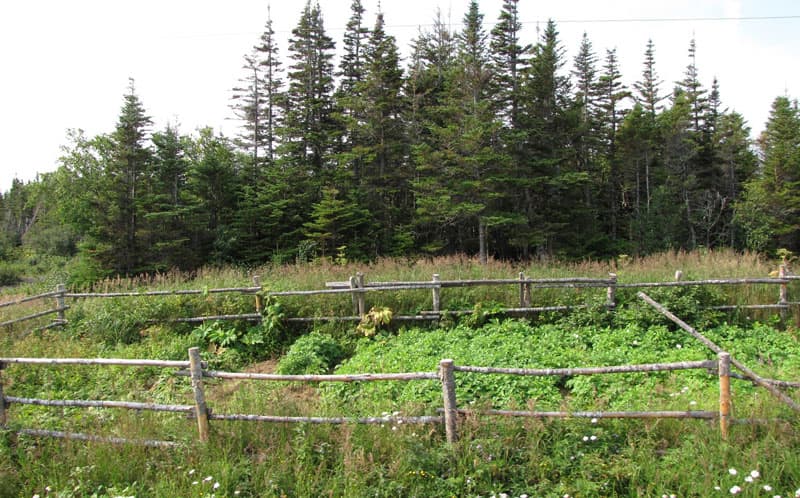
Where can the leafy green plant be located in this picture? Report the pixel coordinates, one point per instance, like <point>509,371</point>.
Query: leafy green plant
<point>314,353</point>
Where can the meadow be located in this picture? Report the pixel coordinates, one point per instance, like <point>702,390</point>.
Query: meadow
<point>493,457</point>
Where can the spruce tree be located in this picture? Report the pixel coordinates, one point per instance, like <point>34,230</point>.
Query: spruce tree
<point>127,170</point>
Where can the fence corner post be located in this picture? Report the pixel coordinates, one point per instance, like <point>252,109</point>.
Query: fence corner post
<point>200,408</point>
<point>61,289</point>
<point>2,399</point>
<point>362,298</point>
<point>448,378</point>
<point>611,291</point>
<point>436,291</point>
<point>259,299</point>
<point>783,298</point>
<point>724,362</point>
<point>524,291</point>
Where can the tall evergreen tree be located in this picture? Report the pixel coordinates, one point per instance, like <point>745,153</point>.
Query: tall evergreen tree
<point>611,96</point>
<point>770,209</point>
<point>647,89</point>
<point>128,168</point>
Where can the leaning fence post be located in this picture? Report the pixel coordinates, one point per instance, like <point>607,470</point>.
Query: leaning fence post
<point>611,291</point>
<point>362,298</point>
<point>524,291</point>
<point>448,378</point>
<point>61,302</point>
<point>259,299</point>
<point>200,408</point>
<point>436,291</point>
<point>724,393</point>
<point>2,399</point>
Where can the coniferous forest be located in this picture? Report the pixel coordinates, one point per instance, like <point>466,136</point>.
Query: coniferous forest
<point>479,142</point>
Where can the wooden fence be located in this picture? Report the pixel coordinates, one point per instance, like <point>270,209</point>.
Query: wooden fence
<point>358,290</point>
<point>446,375</point>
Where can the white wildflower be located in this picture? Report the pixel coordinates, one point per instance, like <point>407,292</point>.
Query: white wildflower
<point>195,482</point>
<point>585,438</point>
<point>678,346</point>
<point>216,485</point>
<point>594,421</point>
<point>191,472</point>
<point>732,471</point>
<point>736,490</point>
<point>693,402</point>
<point>593,438</point>
<point>208,479</point>
<point>767,487</point>
<point>35,496</point>
<point>755,474</point>
<point>748,479</point>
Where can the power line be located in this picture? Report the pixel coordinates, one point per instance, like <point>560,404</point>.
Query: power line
<point>539,21</point>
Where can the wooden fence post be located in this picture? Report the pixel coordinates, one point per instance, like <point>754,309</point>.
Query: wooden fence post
<point>2,399</point>
<point>354,295</point>
<point>724,362</point>
<point>200,408</point>
<point>524,292</point>
<point>783,298</point>
<point>448,378</point>
<point>436,291</point>
<point>678,275</point>
<point>259,299</point>
<point>61,302</point>
<point>362,298</point>
<point>611,291</point>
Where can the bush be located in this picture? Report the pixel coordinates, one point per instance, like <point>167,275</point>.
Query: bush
<point>10,274</point>
<point>314,353</point>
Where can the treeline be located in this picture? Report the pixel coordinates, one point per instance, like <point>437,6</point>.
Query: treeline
<point>480,143</point>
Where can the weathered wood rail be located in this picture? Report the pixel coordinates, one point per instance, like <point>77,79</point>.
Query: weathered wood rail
<point>358,290</point>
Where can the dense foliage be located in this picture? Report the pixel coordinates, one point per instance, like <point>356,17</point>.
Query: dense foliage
<point>483,144</point>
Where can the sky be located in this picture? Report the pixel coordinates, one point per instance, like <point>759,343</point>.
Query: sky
<point>66,64</point>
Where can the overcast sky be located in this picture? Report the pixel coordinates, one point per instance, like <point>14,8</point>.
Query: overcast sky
<point>66,64</point>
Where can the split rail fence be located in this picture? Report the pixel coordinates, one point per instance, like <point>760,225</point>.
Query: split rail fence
<point>446,375</point>
<point>358,289</point>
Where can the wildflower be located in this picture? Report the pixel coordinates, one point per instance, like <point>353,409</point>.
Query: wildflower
<point>593,438</point>
<point>678,346</point>
<point>195,482</point>
<point>236,493</point>
<point>208,479</point>
<point>594,421</point>
<point>693,402</point>
<point>736,490</point>
<point>755,474</point>
<point>48,489</point>
<point>216,485</point>
<point>717,488</point>
<point>503,495</point>
<point>191,472</point>
<point>767,487</point>
<point>35,496</point>
<point>523,496</point>
<point>585,438</point>
<point>732,471</point>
